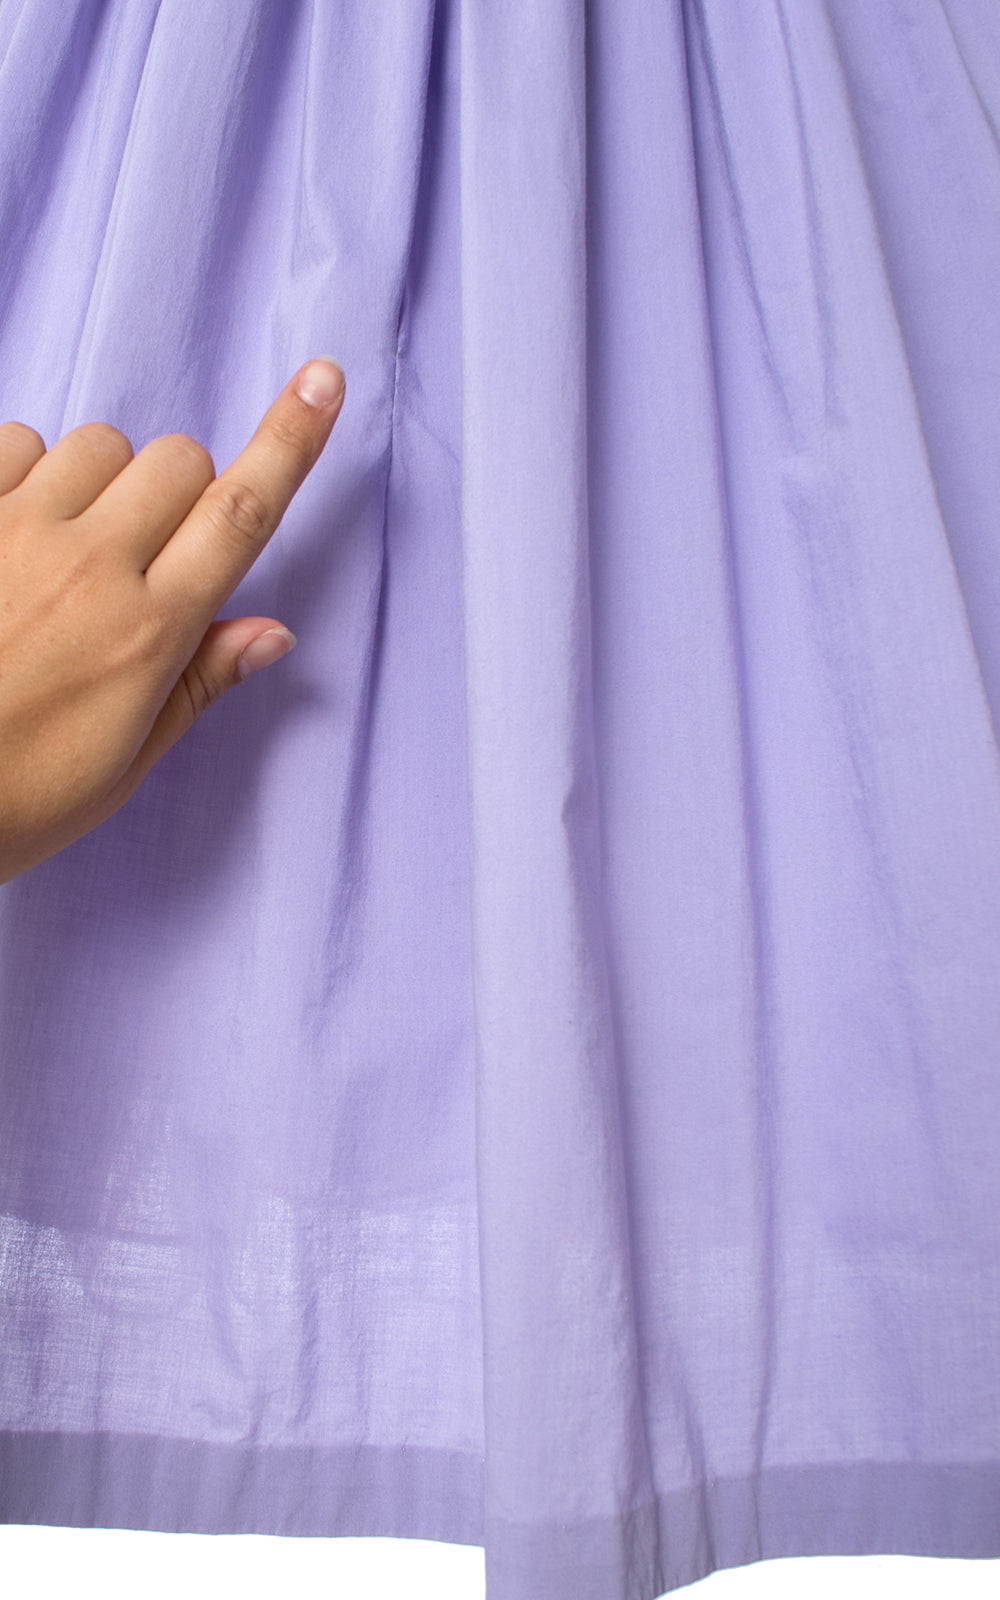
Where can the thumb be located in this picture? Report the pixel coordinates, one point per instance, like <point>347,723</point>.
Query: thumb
<point>230,651</point>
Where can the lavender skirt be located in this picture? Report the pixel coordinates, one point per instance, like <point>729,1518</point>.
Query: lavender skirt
<point>525,1071</point>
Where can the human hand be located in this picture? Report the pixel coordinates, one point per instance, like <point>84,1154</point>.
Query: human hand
<point>112,567</point>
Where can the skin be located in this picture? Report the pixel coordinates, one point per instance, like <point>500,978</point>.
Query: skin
<point>112,567</point>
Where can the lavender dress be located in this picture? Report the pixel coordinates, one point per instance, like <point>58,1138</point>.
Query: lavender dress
<point>525,1071</point>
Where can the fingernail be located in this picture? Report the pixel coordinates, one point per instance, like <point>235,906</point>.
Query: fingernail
<point>266,648</point>
<point>321,382</point>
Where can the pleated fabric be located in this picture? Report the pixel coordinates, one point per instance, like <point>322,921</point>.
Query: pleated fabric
<point>525,1071</point>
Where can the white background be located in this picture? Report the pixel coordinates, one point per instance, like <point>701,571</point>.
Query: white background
<point>100,1564</point>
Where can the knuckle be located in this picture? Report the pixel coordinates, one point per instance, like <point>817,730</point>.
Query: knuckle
<point>291,435</point>
<point>105,436</point>
<point>25,432</point>
<point>186,449</point>
<point>237,510</point>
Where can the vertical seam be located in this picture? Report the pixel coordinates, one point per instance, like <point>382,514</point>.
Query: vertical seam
<point>432,28</point>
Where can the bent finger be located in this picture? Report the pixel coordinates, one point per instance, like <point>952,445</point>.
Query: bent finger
<point>141,508</point>
<point>67,479</point>
<point>20,448</point>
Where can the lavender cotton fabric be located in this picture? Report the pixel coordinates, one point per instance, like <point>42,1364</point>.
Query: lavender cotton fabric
<point>525,1070</point>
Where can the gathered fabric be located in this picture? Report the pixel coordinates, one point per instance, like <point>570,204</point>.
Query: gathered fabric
<point>525,1070</point>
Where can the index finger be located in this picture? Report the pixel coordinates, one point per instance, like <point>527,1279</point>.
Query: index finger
<point>215,546</point>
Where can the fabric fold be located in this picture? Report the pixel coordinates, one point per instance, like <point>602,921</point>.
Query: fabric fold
<point>557,1296</point>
